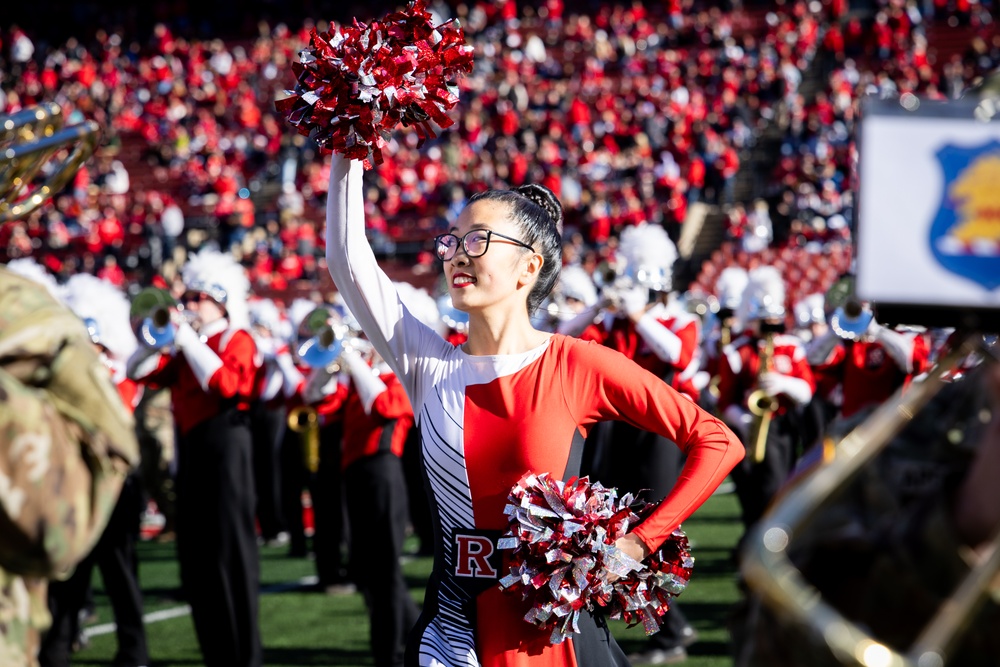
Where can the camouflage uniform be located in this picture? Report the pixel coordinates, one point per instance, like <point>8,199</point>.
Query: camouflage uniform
<point>66,444</point>
<point>154,422</point>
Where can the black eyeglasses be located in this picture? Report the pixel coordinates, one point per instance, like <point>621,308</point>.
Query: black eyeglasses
<point>475,243</point>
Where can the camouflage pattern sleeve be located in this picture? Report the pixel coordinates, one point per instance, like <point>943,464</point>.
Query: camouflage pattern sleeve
<point>66,444</point>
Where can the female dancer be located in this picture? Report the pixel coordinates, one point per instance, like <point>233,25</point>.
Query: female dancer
<point>510,400</point>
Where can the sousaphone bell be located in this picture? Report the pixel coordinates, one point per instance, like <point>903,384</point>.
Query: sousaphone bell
<point>34,163</point>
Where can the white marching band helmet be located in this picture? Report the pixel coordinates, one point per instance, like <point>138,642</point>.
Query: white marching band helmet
<point>729,287</point>
<point>224,280</point>
<point>269,328</point>
<point>105,310</point>
<point>764,297</point>
<point>810,310</point>
<point>575,283</point>
<point>648,255</point>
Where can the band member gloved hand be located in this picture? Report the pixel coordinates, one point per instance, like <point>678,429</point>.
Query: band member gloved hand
<point>634,302</point>
<point>774,384</point>
<point>320,384</point>
<point>293,378</point>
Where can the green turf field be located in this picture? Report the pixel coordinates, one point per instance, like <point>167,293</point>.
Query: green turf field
<point>303,627</point>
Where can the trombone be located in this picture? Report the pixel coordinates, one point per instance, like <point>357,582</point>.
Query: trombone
<point>770,572</point>
<point>29,140</point>
<point>304,420</point>
<point>761,406</point>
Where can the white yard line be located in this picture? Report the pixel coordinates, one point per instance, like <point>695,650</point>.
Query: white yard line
<point>184,610</point>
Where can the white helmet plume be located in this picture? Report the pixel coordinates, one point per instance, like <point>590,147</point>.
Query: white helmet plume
<point>224,280</point>
<point>27,267</point>
<point>105,309</point>
<point>730,285</point>
<point>764,297</point>
<point>576,283</point>
<point>649,256</point>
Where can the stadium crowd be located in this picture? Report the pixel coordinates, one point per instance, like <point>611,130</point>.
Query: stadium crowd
<point>636,115</point>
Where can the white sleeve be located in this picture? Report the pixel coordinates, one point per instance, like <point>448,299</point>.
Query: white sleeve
<point>897,346</point>
<point>201,359</point>
<point>398,336</point>
<point>292,379</point>
<point>579,322</point>
<point>367,383</point>
<point>664,342</point>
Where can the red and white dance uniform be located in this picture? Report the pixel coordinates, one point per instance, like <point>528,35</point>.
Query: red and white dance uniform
<point>484,422</point>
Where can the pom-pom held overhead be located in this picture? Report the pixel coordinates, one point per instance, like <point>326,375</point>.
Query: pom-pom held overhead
<point>357,82</point>
<point>562,537</point>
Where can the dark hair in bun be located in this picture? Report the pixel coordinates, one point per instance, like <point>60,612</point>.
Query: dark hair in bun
<point>537,211</point>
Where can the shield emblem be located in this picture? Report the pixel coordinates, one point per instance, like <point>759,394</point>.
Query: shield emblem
<point>965,233</point>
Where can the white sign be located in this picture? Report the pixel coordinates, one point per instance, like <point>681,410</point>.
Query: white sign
<point>928,231</point>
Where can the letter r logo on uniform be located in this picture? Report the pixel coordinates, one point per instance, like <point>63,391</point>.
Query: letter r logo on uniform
<point>472,557</point>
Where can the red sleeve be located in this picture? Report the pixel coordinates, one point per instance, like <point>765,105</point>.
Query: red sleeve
<point>801,368</point>
<point>239,367</point>
<point>393,403</point>
<point>129,392</point>
<point>830,373</point>
<point>333,402</point>
<point>615,387</point>
<point>921,354</point>
<point>164,375</point>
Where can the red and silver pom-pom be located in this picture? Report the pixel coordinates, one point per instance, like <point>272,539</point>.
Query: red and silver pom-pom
<point>563,540</point>
<point>356,83</point>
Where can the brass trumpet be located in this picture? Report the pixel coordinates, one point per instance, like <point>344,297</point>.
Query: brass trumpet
<point>29,140</point>
<point>770,572</point>
<point>304,420</point>
<point>761,406</point>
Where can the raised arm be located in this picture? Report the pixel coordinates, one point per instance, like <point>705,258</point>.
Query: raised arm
<point>398,336</point>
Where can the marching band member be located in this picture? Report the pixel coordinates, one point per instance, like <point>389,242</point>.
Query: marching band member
<point>105,311</point>
<point>646,322</point>
<point>211,369</point>
<point>764,379</point>
<point>810,319</point>
<point>577,288</point>
<point>318,397</point>
<point>267,418</point>
<point>377,419</point>
<point>729,287</point>
<point>859,363</point>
